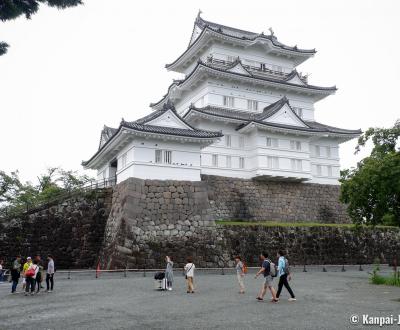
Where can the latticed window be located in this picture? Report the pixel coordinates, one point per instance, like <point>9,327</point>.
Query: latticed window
<point>229,101</point>
<point>329,170</point>
<point>319,170</point>
<point>123,160</point>
<point>295,145</point>
<point>167,156</point>
<point>328,152</point>
<point>296,164</point>
<point>241,142</point>
<point>158,156</point>
<point>272,142</point>
<point>215,160</point>
<point>228,161</point>
<point>228,140</point>
<point>272,162</point>
<point>252,105</point>
<point>317,151</point>
<point>241,162</point>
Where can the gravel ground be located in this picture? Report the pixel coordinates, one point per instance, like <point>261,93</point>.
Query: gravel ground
<point>325,300</point>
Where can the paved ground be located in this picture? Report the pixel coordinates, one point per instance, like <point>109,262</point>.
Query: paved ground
<point>325,301</point>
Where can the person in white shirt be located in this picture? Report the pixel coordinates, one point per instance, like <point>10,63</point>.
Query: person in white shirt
<point>50,274</point>
<point>189,274</point>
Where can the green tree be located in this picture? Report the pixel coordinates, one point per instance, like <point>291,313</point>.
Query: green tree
<point>372,189</point>
<point>11,9</point>
<point>55,182</point>
<point>10,186</point>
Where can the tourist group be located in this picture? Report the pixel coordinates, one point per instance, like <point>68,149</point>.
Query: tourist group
<point>268,269</point>
<point>33,273</point>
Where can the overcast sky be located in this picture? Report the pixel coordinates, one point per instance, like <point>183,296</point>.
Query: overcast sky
<point>67,73</point>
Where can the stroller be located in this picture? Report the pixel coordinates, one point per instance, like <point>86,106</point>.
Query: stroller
<point>160,281</point>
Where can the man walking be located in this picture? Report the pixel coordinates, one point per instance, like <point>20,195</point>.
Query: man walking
<point>15,273</point>
<point>284,275</point>
<point>50,274</point>
<point>266,270</point>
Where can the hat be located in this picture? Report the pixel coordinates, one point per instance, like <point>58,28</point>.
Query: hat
<point>29,258</point>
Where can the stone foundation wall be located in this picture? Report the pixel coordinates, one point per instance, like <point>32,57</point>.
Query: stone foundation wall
<point>313,245</point>
<point>233,198</point>
<point>151,219</point>
<point>72,231</point>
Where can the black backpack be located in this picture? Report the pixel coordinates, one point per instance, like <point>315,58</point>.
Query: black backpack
<point>159,275</point>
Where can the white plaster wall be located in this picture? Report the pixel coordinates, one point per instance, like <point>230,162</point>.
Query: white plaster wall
<point>212,92</point>
<point>185,164</point>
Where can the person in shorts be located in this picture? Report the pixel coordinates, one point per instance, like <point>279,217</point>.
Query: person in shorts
<point>240,273</point>
<point>266,271</point>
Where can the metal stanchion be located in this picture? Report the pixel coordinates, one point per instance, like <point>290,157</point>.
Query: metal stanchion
<point>69,275</point>
<point>223,271</point>
<point>343,270</point>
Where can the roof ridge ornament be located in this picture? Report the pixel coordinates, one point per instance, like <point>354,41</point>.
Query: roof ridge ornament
<point>271,31</point>
<point>169,105</point>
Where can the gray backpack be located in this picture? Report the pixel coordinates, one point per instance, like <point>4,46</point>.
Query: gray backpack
<point>286,268</point>
<point>272,269</point>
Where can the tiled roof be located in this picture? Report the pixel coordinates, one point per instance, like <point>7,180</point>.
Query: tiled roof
<point>140,125</point>
<point>225,70</point>
<point>106,134</point>
<point>196,133</point>
<point>247,118</point>
<point>243,34</point>
<point>259,77</point>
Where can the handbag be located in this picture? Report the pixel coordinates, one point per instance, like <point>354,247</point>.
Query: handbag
<point>30,272</point>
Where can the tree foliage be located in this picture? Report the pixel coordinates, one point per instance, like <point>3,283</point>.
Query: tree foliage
<point>372,189</point>
<point>11,9</point>
<point>16,196</point>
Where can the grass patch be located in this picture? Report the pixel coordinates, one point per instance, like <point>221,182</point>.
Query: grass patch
<point>393,279</point>
<point>290,224</point>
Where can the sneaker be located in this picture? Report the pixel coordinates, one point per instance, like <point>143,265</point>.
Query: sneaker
<point>260,299</point>
<point>169,289</point>
<point>292,299</point>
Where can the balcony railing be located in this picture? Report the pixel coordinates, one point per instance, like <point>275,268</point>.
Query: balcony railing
<point>261,71</point>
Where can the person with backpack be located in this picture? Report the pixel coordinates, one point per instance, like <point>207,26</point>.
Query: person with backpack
<point>284,275</point>
<point>30,276</point>
<point>15,273</point>
<point>189,274</point>
<point>241,270</point>
<point>269,271</point>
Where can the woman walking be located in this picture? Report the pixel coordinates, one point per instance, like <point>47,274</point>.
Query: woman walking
<point>189,274</point>
<point>169,273</point>
<point>240,273</point>
<point>284,275</point>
